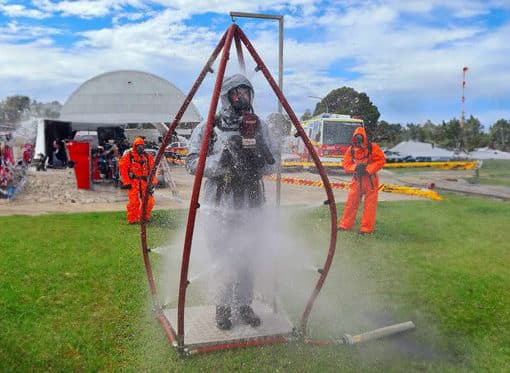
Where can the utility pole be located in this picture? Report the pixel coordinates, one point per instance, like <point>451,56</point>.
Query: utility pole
<point>322,100</point>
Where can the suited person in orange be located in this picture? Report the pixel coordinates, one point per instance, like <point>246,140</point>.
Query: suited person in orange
<point>362,159</point>
<point>134,168</point>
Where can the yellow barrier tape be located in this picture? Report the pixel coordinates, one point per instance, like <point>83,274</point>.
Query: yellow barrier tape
<point>388,188</point>
<point>443,165</point>
<point>440,165</point>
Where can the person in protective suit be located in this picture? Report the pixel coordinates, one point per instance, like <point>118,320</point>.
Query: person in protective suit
<point>240,153</point>
<point>134,168</point>
<point>362,159</point>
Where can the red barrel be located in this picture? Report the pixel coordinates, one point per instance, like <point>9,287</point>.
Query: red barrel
<point>79,153</point>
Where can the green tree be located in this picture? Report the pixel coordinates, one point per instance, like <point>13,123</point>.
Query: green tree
<point>14,107</point>
<point>451,134</point>
<point>473,136</point>
<point>500,135</point>
<point>428,132</point>
<point>388,134</point>
<point>411,132</point>
<point>346,100</point>
<point>306,115</point>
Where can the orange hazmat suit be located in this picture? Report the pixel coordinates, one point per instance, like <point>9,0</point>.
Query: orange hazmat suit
<point>134,170</point>
<point>372,157</point>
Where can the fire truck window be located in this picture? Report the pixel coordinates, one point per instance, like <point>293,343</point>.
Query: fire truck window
<point>337,133</point>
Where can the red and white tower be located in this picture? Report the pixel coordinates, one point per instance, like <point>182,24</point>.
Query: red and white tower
<point>464,69</point>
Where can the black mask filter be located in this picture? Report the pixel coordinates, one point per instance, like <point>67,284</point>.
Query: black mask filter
<point>139,149</point>
<point>358,140</point>
<point>240,98</point>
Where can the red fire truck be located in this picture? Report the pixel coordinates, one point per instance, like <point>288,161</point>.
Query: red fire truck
<point>330,135</point>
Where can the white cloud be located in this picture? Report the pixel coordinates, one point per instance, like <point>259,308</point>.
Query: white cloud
<point>16,32</point>
<point>87,8</point>
<point>16,10</point>
<point>394,51</point>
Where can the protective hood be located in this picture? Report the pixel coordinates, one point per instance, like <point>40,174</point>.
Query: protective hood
<point>228,84</point>
<point>360,131</point>
<point>138,141</point>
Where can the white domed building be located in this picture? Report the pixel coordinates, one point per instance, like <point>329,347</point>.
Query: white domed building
<point>134,102</point>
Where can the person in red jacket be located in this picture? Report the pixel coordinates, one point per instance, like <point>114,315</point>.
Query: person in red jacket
<point>134,167</point>
<point>362,159</point>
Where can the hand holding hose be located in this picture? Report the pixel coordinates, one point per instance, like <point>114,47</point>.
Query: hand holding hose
<point>361,169</point>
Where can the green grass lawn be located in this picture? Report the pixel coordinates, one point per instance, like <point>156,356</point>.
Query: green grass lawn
<point>74,295</point>
<point>493,172</point>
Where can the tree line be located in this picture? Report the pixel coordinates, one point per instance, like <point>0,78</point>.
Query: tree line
<point>14,109</point>
<point>448,134</point>
<point>345,100</point>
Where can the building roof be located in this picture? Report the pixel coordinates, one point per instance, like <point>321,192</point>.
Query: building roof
<point>421,149</point>
<point>126,96</point>
<point>486,153</point>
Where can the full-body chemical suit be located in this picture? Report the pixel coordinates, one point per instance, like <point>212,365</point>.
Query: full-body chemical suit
<point>363,159</point>
<point>134,168</point>
<point>238,158</point>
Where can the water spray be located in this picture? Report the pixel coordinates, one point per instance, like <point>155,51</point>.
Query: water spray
<point>276,328</point>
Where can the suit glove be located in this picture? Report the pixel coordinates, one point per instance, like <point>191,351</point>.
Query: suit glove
<point>361,169</point>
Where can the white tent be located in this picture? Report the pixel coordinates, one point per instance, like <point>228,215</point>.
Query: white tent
<point>486,153</point>
<point>418,149</point>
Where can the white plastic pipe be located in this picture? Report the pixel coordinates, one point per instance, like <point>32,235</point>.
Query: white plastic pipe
<point>378,333</point>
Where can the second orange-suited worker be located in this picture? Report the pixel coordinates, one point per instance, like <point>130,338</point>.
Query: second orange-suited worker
<point>362,159</point>
<point>134,168</point>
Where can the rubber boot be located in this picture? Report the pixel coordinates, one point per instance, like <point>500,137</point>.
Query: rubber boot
<point>223,315</point>
<point>248,316</point>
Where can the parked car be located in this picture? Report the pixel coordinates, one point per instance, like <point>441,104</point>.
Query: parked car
<point>396,157</point>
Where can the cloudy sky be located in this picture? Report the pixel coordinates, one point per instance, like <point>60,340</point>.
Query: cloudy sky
<point>407,55</point>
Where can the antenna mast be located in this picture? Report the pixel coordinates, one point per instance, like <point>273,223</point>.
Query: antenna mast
<point>464,69</point>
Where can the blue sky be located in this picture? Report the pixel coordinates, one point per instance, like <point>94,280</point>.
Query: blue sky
<point>407,55</point>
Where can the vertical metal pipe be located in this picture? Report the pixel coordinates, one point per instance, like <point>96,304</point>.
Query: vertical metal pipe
<point>322,172</point>
<point>280,84</point>
<point>280,59</point>
<point>197,183</point>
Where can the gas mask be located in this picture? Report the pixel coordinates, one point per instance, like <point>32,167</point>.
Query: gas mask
<point>358,141</point>
<point>251,137</point>
<point>240,98</point>
<point>139,149</point>
<point>249,129</point>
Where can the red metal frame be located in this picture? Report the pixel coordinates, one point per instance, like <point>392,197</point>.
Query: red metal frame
<point>197,184</point>
<point>165,324</point>
<point>261,341</point>
<point>233,32</point>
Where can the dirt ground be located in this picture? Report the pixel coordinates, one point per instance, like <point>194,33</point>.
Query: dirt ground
<point>54,191</point>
